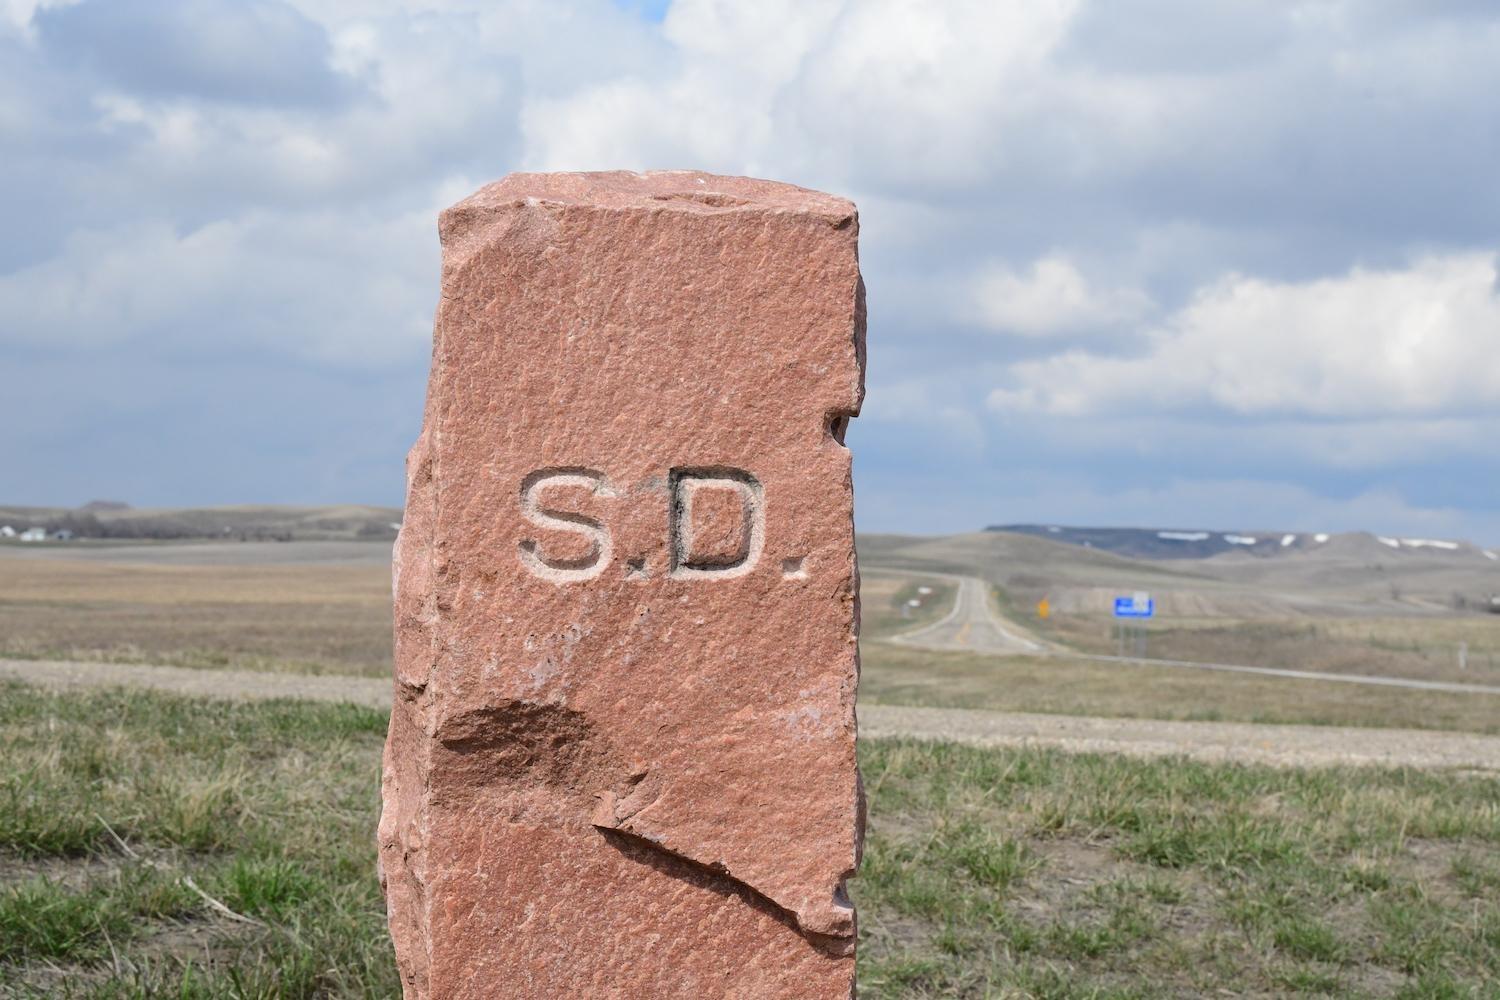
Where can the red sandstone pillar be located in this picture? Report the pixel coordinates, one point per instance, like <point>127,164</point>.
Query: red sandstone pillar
<point>621,758</point>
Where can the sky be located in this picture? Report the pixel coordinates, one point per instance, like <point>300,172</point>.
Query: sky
<point>1129,262</point>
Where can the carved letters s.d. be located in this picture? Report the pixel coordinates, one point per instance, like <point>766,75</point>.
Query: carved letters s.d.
<point>715,523</point>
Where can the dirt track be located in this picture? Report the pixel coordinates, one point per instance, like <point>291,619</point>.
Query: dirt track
<point>1214,741</point>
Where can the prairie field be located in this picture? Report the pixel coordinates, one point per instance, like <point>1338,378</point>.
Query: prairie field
<point>886,602</point>
<point>270,611</point>
<point>315,618</point>
<point>1426,648</point>
<point>897,675</point>
<point>154,845</point>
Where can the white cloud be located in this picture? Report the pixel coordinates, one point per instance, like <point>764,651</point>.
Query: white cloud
<point>16,15</point>
<point>711,106</point>
<point>1352,445</point>
<point>1255,504</point>
<point>921,403</point>
<point>1091,150</point>
<point>1060,496</point>
<point>1052,297</point>
<point>321,287</point>
<point>1415,341</point>
<point>842,91</point>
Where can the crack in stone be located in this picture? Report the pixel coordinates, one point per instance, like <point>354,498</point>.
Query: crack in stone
<point>716,875</point>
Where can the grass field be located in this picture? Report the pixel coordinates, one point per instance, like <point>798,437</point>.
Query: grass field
<point>899,675</point>
<point>336,619</point>
<point>269,809</point>
<point>988,873</point>
<point>317,619</point>
<point>885,602</point>
<point>1421,647</point>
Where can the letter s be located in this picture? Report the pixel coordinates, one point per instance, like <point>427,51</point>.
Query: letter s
<point>566,569</point>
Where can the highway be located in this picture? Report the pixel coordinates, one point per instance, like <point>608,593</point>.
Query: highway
<point>973,626</point>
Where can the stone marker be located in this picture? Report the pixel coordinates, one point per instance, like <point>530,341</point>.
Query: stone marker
<point>621,758</point>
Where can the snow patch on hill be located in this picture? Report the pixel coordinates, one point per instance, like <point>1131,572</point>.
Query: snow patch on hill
<point>1428,543</point>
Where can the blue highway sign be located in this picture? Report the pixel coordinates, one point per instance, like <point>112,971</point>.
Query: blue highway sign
<point>1139,606</point>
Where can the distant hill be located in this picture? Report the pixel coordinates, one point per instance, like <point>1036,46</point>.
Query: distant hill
<point>1084,569</point>
<point>110,520</point>
<point>99,506</point>
<point>1196,543</point>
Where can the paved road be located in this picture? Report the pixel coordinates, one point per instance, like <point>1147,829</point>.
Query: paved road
<point>1302,746</point>
<point>971,625</point>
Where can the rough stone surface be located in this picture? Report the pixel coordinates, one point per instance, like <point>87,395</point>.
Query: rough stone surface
<point>621,755</point>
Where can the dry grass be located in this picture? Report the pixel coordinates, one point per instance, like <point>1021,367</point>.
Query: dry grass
<point>63,581</point>
<point>884,600</point>
<point>336,619</point>
<point>897,675</point>
<point>1415,647</point>
<point>312,618</point>
<point>268,808</point>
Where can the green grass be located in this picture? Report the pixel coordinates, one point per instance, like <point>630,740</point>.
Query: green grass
<point>49,919</point>
<point>269,808</point>
<point>1120,877</point>
<point>987,873</point>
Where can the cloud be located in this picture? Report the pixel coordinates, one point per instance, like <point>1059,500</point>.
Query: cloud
<point>1417,341</point>
<point>919,403</point>
<point>1250,504</point>
<point>355,291</point>
<point>1053,297</point>
<point>260,52</point>
<point>1203,230</point>
<point>830,90</point>
<point>965,498</point>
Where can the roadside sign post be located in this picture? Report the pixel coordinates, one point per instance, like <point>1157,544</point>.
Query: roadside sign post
<point>1128,612</point>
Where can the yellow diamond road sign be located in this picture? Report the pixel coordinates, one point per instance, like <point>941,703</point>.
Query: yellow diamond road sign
<point>1044,608</point>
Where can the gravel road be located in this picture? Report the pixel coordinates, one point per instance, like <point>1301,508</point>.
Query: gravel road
<point>1214,741</point>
